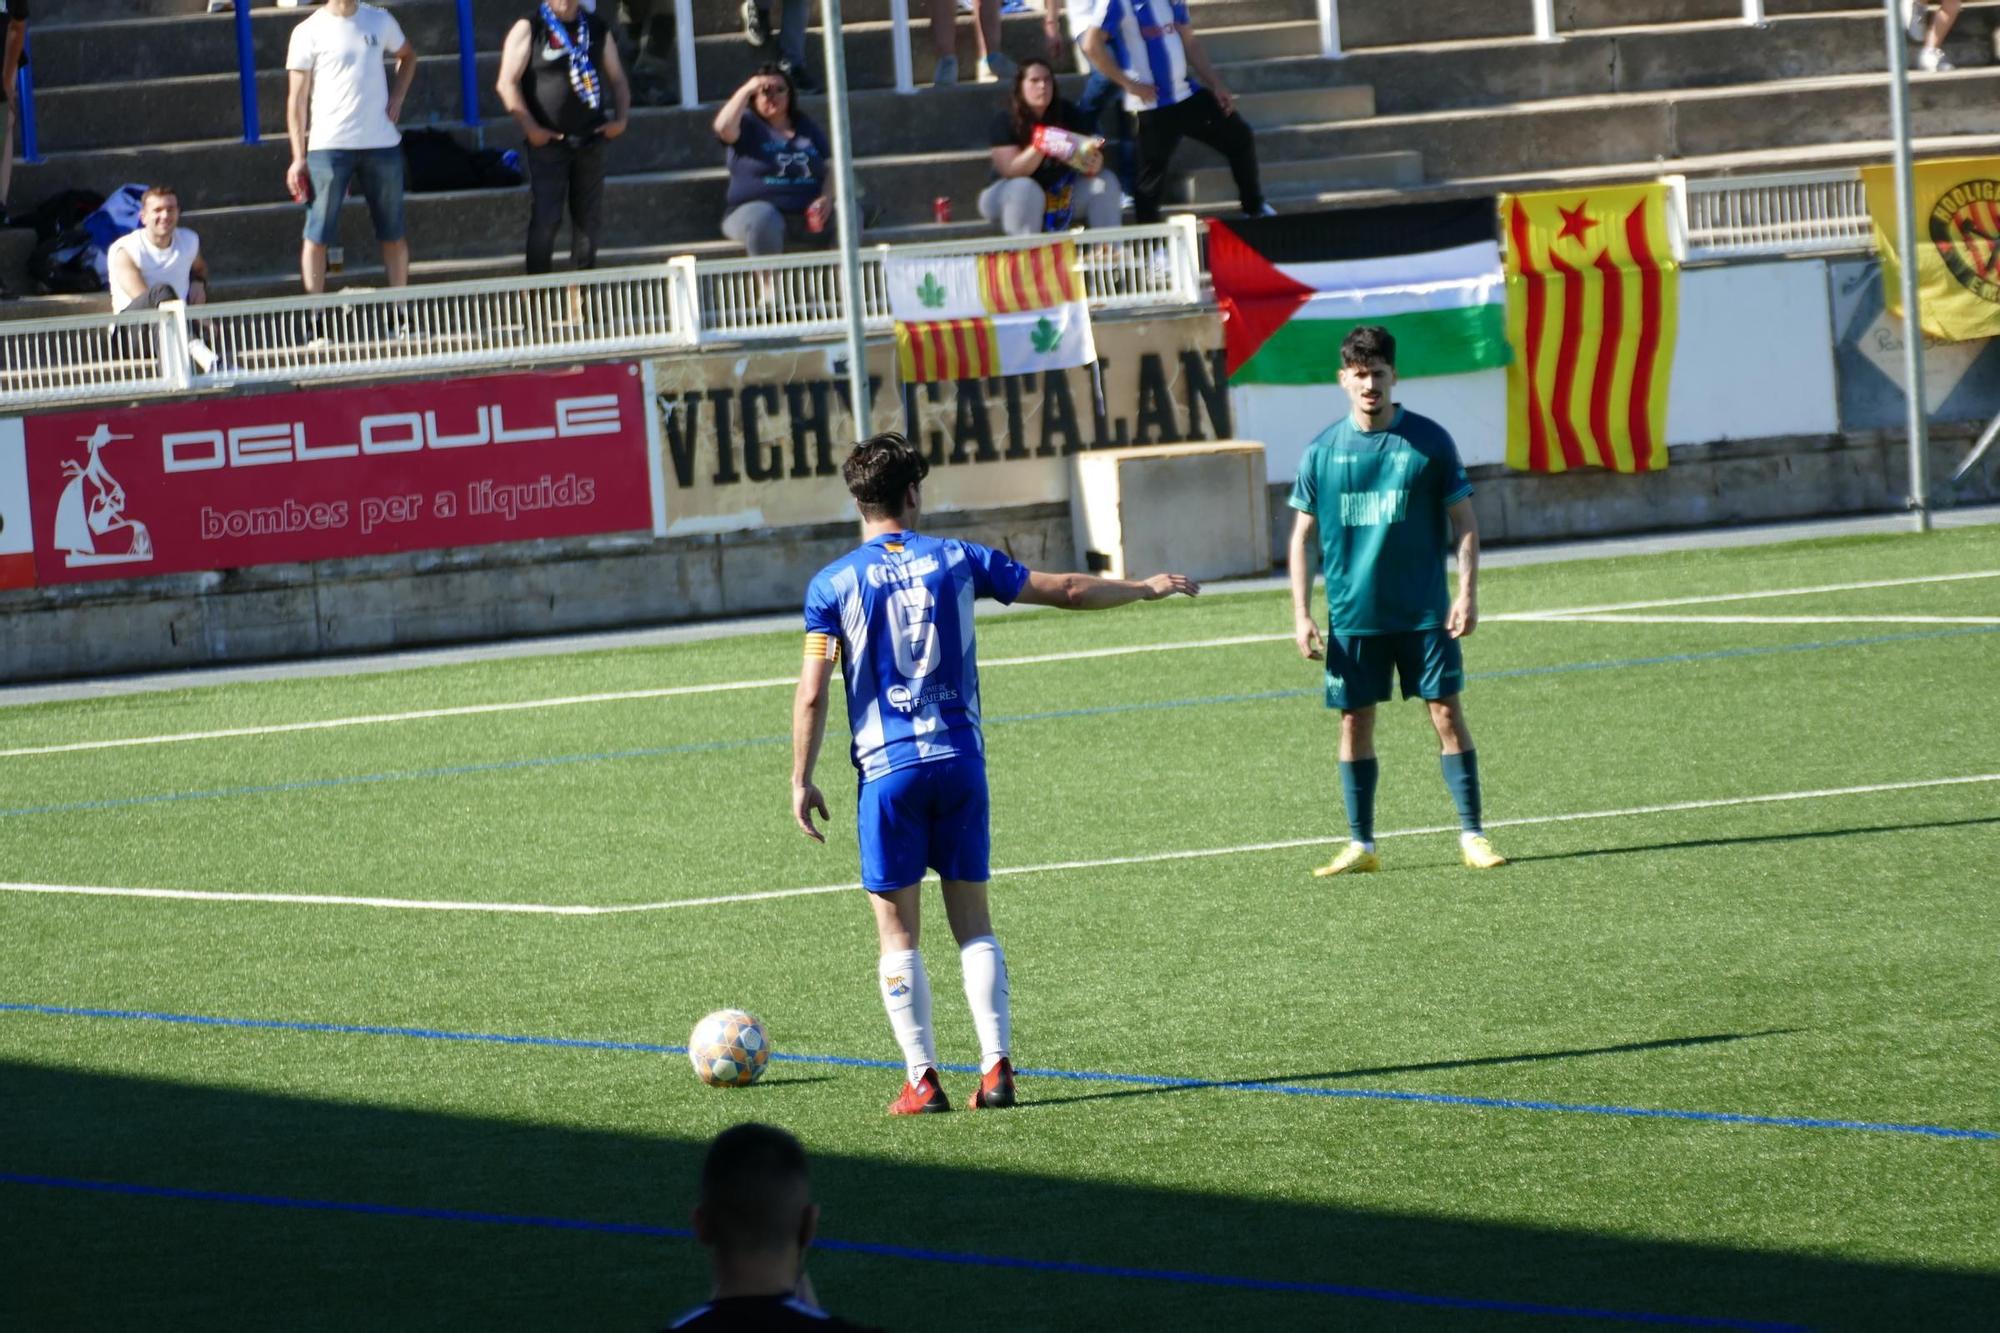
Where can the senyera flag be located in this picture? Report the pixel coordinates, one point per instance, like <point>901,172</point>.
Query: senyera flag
<point>1593,295</point>
<point>1292,287</point>
<point>1958,249</point>
<point>1010,312</point>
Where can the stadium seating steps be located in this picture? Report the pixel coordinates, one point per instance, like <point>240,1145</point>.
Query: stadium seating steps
<point>1446,97</point>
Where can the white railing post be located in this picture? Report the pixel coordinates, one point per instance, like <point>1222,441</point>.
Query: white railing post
<point>1545,21</point>
<point>1329,29</point>
<point>1186,245</point>
<point>1753,13</point>
<point>899,43</point>
<point>684,302</point>
<point>1677,216</point>
<point>684,45</point>
<point>170,338</point>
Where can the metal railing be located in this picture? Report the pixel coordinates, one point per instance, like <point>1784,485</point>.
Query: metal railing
<point>91,356</point>
<point>1798,212</point>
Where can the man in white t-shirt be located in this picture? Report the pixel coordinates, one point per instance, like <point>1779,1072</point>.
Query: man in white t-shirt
<point>159,262</point>
<point>341,113</point>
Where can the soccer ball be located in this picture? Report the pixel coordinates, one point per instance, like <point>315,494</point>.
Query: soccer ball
<point>729,1049</point>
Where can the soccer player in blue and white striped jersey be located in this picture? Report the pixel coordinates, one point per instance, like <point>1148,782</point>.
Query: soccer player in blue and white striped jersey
<point>896,614</point>
<point>1148,48</point>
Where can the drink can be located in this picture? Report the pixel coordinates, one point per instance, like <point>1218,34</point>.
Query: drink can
<point>941,208</point>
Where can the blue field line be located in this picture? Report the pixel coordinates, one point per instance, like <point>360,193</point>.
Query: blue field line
<point>1102,710</point>
<point>1161,1081</point>
<point>961,1258</point>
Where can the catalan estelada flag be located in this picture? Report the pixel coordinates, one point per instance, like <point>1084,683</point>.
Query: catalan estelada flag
<point>1958,244</point>
<point>974,316</point>
<point>1593,296</point>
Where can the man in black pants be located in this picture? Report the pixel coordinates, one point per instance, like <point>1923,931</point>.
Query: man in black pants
<point>1148,48</point>
<point>563,84</point>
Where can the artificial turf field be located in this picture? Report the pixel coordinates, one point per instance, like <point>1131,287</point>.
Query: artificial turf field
<point>1717,1050</point>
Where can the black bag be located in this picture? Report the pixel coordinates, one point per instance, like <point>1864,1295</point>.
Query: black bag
<point>61,211</point>
<point>435,160</point>
<point>66,263</point>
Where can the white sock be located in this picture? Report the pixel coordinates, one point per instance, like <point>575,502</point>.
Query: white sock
<point>985,970</point>
<point>906,994</point>
<point>1365,844</point>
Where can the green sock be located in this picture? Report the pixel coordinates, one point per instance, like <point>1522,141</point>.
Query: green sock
<point>1357,789</point>
<point>1461,779</point>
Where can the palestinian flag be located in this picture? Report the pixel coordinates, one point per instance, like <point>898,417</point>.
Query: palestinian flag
<point>1593,299</point>
<point>1010,312</point>
<point>1292,287</point>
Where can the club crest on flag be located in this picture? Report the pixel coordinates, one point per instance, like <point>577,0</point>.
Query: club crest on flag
<point>1958,271</point>
<point>1592,308</point>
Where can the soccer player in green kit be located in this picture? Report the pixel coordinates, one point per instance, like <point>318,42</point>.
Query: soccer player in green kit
<point>1384,490</point>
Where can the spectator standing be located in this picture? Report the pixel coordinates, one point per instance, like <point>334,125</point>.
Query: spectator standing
<point>791,36</point>
<point>341,114</point>
<point>780,168</point>
<point>756,1216</point>
<point>994,63</point>
<point>1047,162</point>
<point>563,84</point>
<point>1148,48</point>
<point>159,262</point>
<point>1930,27</point>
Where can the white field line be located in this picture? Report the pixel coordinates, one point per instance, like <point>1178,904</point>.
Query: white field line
<point>1562,612</point>
<point>573,700</point>
<point>1152,858</point>
<point>1625,619</point>
<point>673,691</point>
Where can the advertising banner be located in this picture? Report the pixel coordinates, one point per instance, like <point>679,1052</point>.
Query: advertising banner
<point>333,473</point>
<point>17,538</point>
<point>756,439</point>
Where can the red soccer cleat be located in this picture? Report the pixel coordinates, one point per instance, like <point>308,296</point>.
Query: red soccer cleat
<point>924,1097</point>
<point>996,1088</point>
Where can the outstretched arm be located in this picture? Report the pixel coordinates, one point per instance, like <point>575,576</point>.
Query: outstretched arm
<point>1464,615</point>
<point>1087,592</point>
<point>809,706</point>
<point>1304,631</point>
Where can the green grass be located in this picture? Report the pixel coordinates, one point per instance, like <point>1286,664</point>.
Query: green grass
<point>1827,958</point>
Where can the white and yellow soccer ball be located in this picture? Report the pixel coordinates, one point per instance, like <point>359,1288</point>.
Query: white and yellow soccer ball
<point>729,1049</point>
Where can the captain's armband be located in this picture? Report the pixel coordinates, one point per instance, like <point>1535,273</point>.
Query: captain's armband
<point>822,647</point>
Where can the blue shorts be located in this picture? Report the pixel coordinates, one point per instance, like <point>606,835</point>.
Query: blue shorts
<point>378,172</point>
<point>1361,667</point>
<point>927,815</point>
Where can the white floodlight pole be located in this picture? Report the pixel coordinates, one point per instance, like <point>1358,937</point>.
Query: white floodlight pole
<point>1906,228</point>
<point>1329,29</point>
<point>1545,21</point>
<point>847,211</point>
<point>684,48</point>
<point>899,45</point>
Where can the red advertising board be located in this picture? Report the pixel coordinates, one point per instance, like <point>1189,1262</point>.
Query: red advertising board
<point>320,475</point>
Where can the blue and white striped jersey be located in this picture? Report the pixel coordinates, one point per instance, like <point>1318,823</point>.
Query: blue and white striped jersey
<point>901,608</point>
<point>1146,42</point>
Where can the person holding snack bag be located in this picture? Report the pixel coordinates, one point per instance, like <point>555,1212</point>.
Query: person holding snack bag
<point>1047,164</point>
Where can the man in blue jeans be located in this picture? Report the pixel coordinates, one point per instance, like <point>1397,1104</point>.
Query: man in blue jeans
<point>341,115</point>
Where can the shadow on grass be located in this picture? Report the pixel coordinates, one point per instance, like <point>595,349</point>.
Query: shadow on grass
<point>1753,839</point>
<point>1430,1066</point>
<point>257,1210</point>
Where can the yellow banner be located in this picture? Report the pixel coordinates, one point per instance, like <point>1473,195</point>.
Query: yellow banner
<point>1593,304</point>
<point>1958,244</point>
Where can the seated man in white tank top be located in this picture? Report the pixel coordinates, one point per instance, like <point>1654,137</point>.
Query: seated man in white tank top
<point>159,262</point>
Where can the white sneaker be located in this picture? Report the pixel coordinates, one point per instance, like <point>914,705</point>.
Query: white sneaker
<point>1931,61</point>
<point>947,72</point>
<point>293,4</point>
<point>221,6</point>
<point>202,355</point>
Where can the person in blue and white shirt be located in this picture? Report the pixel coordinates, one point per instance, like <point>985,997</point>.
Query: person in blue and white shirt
<point>896,613</point>
<point>1148,48</point>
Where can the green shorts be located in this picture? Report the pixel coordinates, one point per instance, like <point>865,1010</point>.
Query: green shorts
<point>1359,667</point>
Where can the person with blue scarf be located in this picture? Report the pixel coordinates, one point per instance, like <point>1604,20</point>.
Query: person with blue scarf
<point>563,84</point>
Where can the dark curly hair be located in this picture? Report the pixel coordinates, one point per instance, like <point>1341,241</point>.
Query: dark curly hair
<point>1370,342</point>
<point>880,472</point>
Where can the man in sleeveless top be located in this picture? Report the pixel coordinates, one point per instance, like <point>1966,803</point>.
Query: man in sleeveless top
<point>564,85</point>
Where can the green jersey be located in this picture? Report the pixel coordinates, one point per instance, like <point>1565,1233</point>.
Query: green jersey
<point>1380,498</point>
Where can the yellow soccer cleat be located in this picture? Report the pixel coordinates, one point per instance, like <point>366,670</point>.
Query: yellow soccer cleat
<point>1353,860</point>
<point>1479,853</point>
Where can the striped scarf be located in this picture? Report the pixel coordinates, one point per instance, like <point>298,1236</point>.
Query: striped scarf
<point>582,74</point>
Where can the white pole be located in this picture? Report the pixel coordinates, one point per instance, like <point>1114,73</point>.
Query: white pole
<point>1329,29</point>
<point>684,45</point>
<point>848,214</point>
<point>1753,13</point>
<point>1545,21</point>
<point>899,42</point>
<point>1906,226</point>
